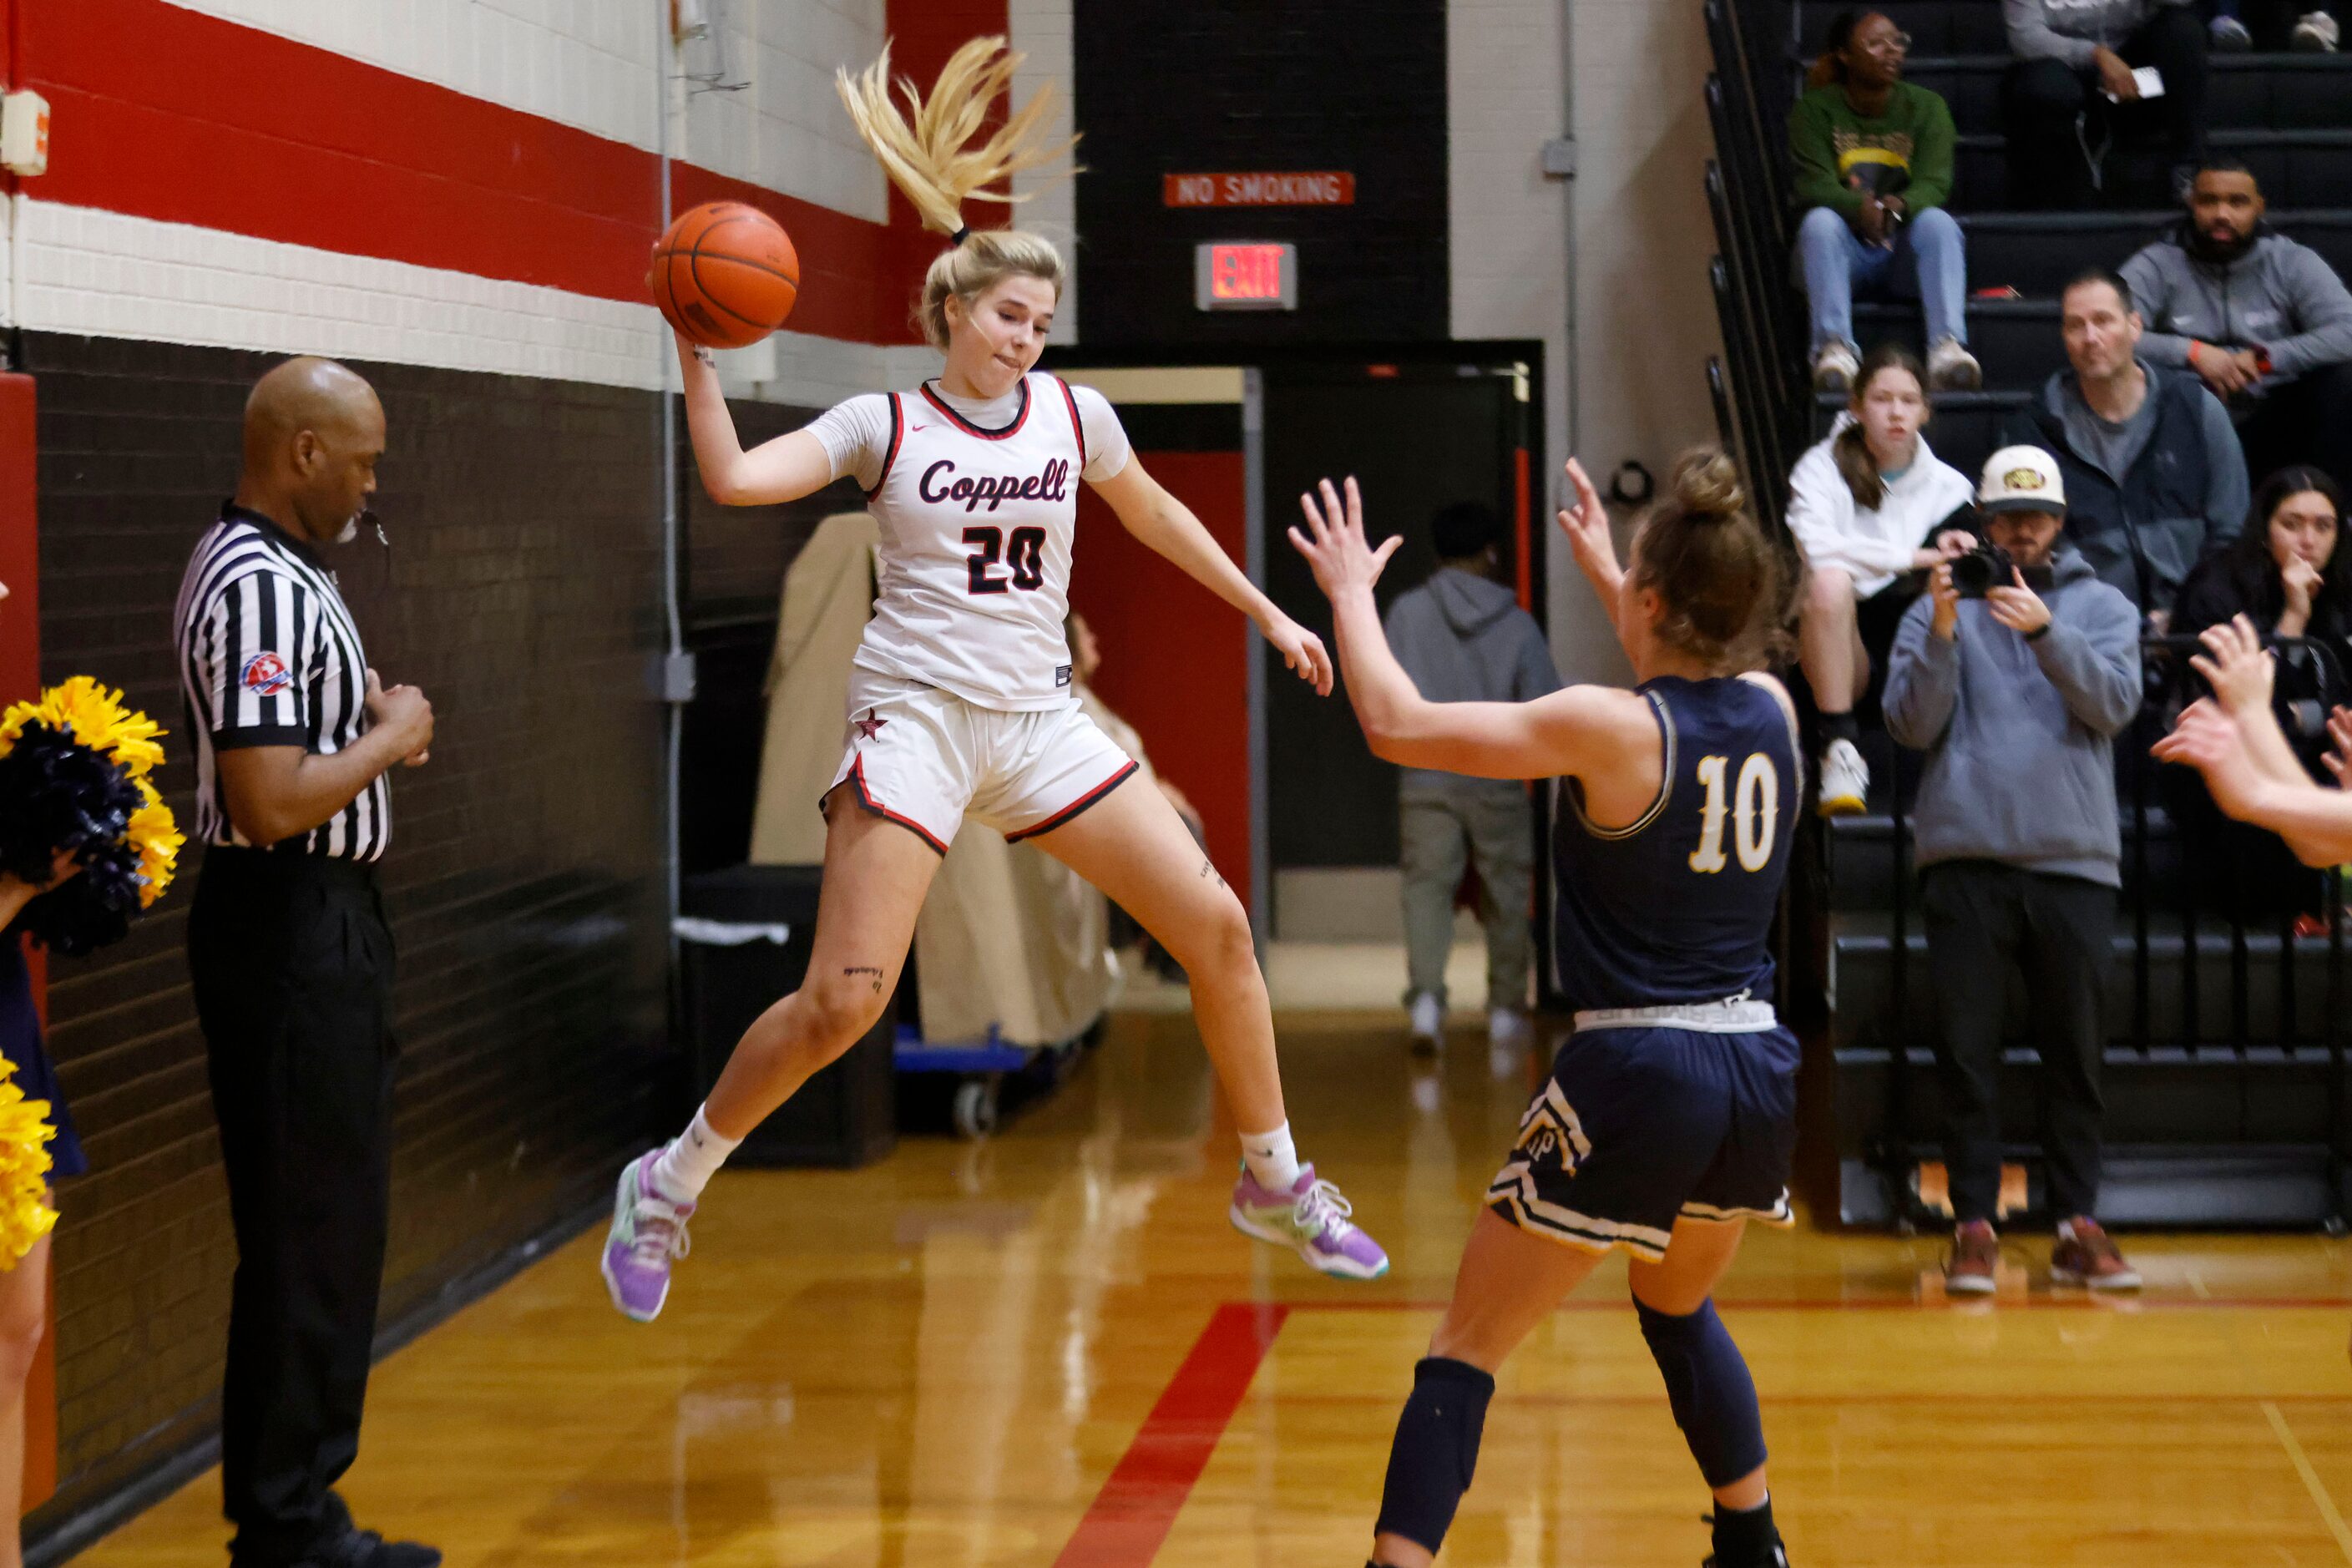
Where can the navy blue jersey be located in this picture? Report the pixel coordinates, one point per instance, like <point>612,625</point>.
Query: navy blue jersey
<point>1678,907</point>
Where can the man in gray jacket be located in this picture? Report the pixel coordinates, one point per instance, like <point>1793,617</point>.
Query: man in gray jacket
<point>2266,321</point>
<point>2016,698</point>
<point>1463,638</point>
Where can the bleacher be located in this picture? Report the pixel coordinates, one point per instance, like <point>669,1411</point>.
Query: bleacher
<point>2226,1077</point>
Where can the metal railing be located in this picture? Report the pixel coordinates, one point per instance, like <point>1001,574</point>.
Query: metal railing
<point>2244,919</point>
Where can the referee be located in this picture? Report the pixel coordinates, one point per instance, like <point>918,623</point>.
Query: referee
<point>292,959</point>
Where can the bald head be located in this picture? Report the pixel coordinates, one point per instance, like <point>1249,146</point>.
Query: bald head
<point>313,431</point>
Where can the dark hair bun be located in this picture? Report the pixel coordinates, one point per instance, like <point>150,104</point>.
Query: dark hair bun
<point>1705,486</point>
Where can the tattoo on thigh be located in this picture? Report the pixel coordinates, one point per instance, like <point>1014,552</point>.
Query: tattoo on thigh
<point>870,973</point>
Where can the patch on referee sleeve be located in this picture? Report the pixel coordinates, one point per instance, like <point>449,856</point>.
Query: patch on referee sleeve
<point>1550,1137</point>
<point>266,675</point>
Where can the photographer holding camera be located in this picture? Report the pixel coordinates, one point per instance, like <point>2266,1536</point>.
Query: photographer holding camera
<point>2014,675</point>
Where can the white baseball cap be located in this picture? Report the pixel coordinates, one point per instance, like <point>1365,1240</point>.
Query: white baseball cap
<point>2023,479</point>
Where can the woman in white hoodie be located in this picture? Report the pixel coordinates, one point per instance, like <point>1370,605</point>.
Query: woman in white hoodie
<point>1870,506</point>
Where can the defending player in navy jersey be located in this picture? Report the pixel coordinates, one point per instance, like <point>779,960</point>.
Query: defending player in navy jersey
<point>1670,1115</point>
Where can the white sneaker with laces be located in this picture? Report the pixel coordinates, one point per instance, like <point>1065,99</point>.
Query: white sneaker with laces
<point>2316,33</point>
<point>1835,366</point>
<point>1845,780</point>
<point>1951,368</point>
<point>1427,1022</point>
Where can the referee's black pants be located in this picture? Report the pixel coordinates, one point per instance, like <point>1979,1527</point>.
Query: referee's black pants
<point>1983,917</point>
<point>293,967</point>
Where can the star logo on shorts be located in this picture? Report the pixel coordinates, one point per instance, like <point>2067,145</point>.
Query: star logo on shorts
<point>869,726</point>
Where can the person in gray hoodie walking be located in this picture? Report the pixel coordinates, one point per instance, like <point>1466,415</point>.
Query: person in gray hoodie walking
<point>1463,638</point>
<point>2266,321</point>
<point>2032,681</point>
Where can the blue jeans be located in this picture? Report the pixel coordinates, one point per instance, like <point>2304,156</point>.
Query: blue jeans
<point>1929,263</point>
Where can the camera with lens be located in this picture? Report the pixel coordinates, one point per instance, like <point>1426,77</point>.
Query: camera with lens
<point>1986,566</point>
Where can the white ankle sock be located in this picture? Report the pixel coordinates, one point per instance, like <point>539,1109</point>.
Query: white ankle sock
<point>1272,1158</point>
<point>686,1164</point>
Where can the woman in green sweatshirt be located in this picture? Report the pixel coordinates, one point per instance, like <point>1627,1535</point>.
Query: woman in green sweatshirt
<point>1873,167</point>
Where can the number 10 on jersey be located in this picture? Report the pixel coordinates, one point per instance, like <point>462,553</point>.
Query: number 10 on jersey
<point>1755,811</point>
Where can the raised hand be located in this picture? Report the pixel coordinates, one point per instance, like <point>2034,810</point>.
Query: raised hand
<point>2209,739</point>
<point>1586,523</point>
<point>2236,666</point>
<point>1334,543</point>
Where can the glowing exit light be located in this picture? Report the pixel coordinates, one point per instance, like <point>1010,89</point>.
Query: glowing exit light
<point>1232,276</point>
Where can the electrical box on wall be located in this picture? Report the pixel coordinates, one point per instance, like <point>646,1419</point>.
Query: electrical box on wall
<point>1231,275</point>
<point>25,134</point>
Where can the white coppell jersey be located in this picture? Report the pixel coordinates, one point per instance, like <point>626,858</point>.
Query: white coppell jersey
<point>977,527</point>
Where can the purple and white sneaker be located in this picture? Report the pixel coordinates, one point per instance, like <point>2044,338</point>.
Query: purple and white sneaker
<point>1311,1220</point>
<point>649,1230</point>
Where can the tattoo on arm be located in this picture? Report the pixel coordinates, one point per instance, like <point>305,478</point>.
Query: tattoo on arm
<point>871,973</point>
<point>1208,870</point>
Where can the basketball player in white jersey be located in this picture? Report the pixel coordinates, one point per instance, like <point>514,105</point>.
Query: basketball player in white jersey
<point>961,703</point>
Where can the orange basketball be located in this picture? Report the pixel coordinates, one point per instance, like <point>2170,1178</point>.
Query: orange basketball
<point>725,275</point>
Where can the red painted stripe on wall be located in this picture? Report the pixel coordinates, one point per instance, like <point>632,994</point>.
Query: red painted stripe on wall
<point>223,126</point>
<point>1139,1503</point>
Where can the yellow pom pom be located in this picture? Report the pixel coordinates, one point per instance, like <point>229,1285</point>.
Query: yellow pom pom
<point>156,837</point>
<point>98,719</point>
<point>25,1215</point>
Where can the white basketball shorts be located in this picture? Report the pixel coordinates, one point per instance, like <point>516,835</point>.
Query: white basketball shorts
<point>927,759</point>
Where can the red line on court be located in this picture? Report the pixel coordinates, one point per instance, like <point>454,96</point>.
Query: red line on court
<point>1139,1503</point>
<point>2124,1305</point>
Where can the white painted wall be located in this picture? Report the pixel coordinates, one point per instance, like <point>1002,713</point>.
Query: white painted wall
<point>590,64</point>
<point>1645,318</point>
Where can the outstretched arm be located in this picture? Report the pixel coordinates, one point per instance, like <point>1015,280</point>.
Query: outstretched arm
<point>1560,733</point>
<point>783,470</point>
<point>1166,525</point>
<point>2316,823</point>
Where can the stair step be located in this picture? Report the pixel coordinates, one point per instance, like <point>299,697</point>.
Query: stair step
<point>2036,253</point>
<point>2278,92</point>
<point>2302,168</point>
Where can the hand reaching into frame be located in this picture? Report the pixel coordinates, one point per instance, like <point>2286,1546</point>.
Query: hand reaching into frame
<point>2236,666</point>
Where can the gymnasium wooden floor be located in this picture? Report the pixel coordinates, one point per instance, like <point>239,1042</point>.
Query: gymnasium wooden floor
<point>1051,1349</point>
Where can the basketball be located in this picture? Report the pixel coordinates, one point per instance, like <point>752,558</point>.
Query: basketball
<point>725,275</point>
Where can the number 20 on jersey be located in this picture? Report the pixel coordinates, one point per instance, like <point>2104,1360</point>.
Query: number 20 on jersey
<point>1755,812</point>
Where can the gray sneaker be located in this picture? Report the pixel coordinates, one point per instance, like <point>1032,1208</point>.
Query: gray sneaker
<point>648,1231</point>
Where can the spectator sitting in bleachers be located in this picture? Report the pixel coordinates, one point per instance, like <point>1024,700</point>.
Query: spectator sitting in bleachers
<point>1868,507</point>
<point>2265,320</point>
<point>2072,85</point>
<point>2016,697</point>
<point>2152,466</point>
<point>2289,577</point>
<point>2277,24</point>
<point>1874,166</point>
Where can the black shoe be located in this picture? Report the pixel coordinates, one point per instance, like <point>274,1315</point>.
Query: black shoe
<point>1762,1548</point>
<point>366,1549</point>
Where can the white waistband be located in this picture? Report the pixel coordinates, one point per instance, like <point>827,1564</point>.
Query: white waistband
<point>1733,1016</point>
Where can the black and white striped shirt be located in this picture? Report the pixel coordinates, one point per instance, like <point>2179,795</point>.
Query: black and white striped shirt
<point>269,657</point>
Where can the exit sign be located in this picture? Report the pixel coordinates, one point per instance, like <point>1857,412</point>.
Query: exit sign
<point>1238,276</point>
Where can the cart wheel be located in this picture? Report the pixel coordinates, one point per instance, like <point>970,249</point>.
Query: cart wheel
<point>975,1108</point>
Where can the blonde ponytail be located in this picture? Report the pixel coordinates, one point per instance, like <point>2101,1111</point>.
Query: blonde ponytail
<point>925,150</point>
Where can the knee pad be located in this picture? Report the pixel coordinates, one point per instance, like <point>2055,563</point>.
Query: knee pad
<point>1707,1384</point>
<point>1435,1451</point>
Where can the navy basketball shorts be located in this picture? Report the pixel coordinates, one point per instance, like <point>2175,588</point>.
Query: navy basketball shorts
<point>1640,1127</point>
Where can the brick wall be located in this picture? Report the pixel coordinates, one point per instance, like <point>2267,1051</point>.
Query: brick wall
<point>522,593</point>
